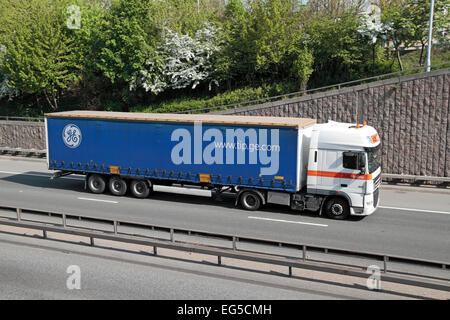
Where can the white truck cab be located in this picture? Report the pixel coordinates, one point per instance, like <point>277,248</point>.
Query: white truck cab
<point>338,172</point>
<point>343,167</point>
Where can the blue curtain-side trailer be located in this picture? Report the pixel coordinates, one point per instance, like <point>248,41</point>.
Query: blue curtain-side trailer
<point>142,153</point>
<point>330,167</point>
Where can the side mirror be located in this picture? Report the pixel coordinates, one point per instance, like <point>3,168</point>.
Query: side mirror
<point>362,162</point>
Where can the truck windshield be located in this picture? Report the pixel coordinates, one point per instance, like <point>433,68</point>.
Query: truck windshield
<point>372,159</point>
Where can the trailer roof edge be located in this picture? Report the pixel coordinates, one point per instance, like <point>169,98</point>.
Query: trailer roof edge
<point>186,118</point>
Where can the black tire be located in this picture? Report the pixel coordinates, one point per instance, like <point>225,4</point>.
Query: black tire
<point>96,183</point>
<point>139,188</point>
<point>337,208</point>
<point>250,201</point>
<point>117,186</point>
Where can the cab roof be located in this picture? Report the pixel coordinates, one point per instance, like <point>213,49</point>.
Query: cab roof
<point>335,135</point>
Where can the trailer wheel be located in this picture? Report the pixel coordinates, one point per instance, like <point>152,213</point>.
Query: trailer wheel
<point>337,208</point>
<point>139,189</point>
<point>250,201</point>
<point>96,183</point>
<point>117,186</point>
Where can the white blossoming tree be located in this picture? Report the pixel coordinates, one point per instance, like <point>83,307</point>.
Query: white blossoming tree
<point>6,90</point>
<point>181,61</point>
<point>372,27</point>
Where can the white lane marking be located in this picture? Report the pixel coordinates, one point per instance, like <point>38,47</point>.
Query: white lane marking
<point>287,221</point>
<point>418,210</point>
<point>98,200</point>
<point>39,175</point>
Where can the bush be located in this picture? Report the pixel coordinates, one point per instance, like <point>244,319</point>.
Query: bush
<point>226,98</point>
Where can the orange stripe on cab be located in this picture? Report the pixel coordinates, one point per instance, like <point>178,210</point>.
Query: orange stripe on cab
<point>343,175</point>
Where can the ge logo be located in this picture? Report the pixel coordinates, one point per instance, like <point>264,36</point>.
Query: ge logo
<point>71,136</point>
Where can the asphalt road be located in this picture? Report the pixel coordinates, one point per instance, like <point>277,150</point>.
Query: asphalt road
<point>411,222</point>
<point>35,268</point>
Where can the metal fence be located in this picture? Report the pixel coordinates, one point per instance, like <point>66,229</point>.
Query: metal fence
<point>338,86</point>
<point>231,251</point>
<point>12,118</point>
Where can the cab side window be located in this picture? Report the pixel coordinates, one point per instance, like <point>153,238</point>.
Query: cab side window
<point>350,160</point>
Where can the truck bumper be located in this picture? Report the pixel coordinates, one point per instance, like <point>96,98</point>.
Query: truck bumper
<point>371,202</point>
<point>367,211</point>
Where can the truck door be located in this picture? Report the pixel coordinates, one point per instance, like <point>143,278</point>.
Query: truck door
<point>353,177</point>
<point>330,165</point>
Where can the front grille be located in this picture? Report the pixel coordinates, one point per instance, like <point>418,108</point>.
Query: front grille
<point>375,198</point>
<point>377,182</point>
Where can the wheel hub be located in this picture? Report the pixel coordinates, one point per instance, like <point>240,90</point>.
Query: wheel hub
<point>139,187</point>
<point>251,201</point>
<point>337,209</point>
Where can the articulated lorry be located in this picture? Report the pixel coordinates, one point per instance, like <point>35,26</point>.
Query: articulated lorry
<point>331,168</point>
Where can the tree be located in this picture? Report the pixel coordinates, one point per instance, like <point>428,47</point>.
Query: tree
<point>397,15</point>
<point>339,50</point>
<point>270,32</point>
<point>372,28</point>
<point>124,39</point>
<point>260,38</point>
<point>40,54</point>
<point>181,61</point>
<point>5,87</point>
<point>420,15</point>
<point>184,16</point>
<point>302,58</point>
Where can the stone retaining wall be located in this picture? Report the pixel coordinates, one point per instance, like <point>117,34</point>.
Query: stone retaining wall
<point>22,134</point>
<point>411,113</point>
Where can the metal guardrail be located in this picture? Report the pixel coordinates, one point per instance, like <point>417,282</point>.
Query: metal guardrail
<point>233,252</point>
<point>22,150</point>
<point>415,178</point>
<point>12,118</point>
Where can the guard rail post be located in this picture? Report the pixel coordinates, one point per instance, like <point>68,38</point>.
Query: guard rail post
<point>19,213</point>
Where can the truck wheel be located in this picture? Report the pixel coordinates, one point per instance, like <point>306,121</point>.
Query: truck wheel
<point>250,201</point>
<point>337,208</point>
<point>139,189</point>
<point>117,186</point>
<point>96,183</point>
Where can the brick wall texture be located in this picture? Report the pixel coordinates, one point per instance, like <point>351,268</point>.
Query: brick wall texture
<point>22,134</point>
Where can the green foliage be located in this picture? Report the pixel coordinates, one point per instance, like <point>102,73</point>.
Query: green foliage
<point>129,53</point>
<point>124,39</point>
<point>302,58</point>
<point>184,16</point>
<point>265,40</point>
<point>337,47</point>
<point>439,55</point>
<point>269,31</point>
<point>231,97</point>
<point>40,56</point>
